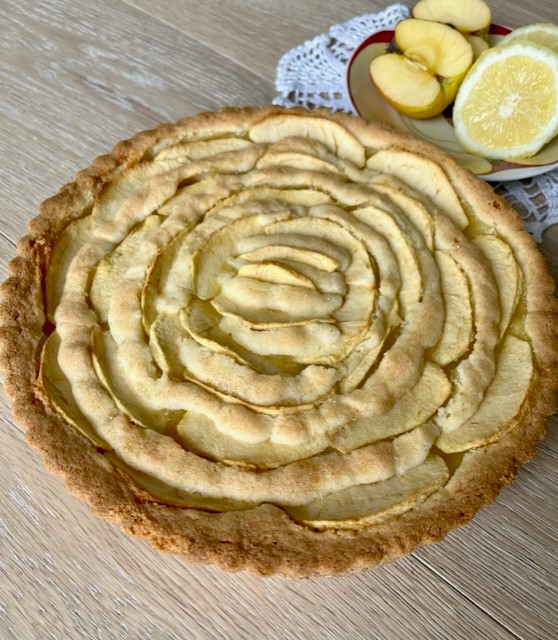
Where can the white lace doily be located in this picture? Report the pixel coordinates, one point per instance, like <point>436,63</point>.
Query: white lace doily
<point>313,75</point>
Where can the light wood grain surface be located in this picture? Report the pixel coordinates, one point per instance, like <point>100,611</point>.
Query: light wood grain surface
<point>77,76</point>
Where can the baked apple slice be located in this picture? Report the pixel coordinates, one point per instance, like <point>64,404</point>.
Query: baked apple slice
<point>422,76</point>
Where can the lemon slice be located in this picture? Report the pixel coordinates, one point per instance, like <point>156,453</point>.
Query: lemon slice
<point>543,33</point>
<point>507,106</point>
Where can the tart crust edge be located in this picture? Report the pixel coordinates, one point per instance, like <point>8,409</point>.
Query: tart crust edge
<point>264,540</point>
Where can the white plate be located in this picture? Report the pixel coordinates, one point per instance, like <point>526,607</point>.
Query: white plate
<point>439,130</point>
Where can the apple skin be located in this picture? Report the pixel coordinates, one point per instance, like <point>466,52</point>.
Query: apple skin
<point>422,77</point>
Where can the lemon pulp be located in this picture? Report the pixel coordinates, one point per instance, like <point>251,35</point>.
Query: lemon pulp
<point>542,33</point>
<point>507,106</point>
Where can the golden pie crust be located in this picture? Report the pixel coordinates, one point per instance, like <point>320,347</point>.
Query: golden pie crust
<point>291,342</point>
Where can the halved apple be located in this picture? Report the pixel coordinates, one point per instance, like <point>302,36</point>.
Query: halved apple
<point>422,77</point>
<point>467,16</point>
<point>470,17</point>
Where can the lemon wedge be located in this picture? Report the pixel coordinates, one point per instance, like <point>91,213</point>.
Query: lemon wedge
<point>507,106</point>
<point>543,33</point>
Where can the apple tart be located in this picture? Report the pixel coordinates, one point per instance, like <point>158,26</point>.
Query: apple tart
<point>285,341</point>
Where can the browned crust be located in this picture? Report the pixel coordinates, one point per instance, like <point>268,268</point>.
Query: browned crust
<point>264,539</point>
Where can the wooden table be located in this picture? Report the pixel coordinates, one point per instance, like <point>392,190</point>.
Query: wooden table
<point>76,77</point>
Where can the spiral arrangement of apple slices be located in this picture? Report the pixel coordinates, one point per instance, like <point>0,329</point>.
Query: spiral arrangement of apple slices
<point>283,308</point>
